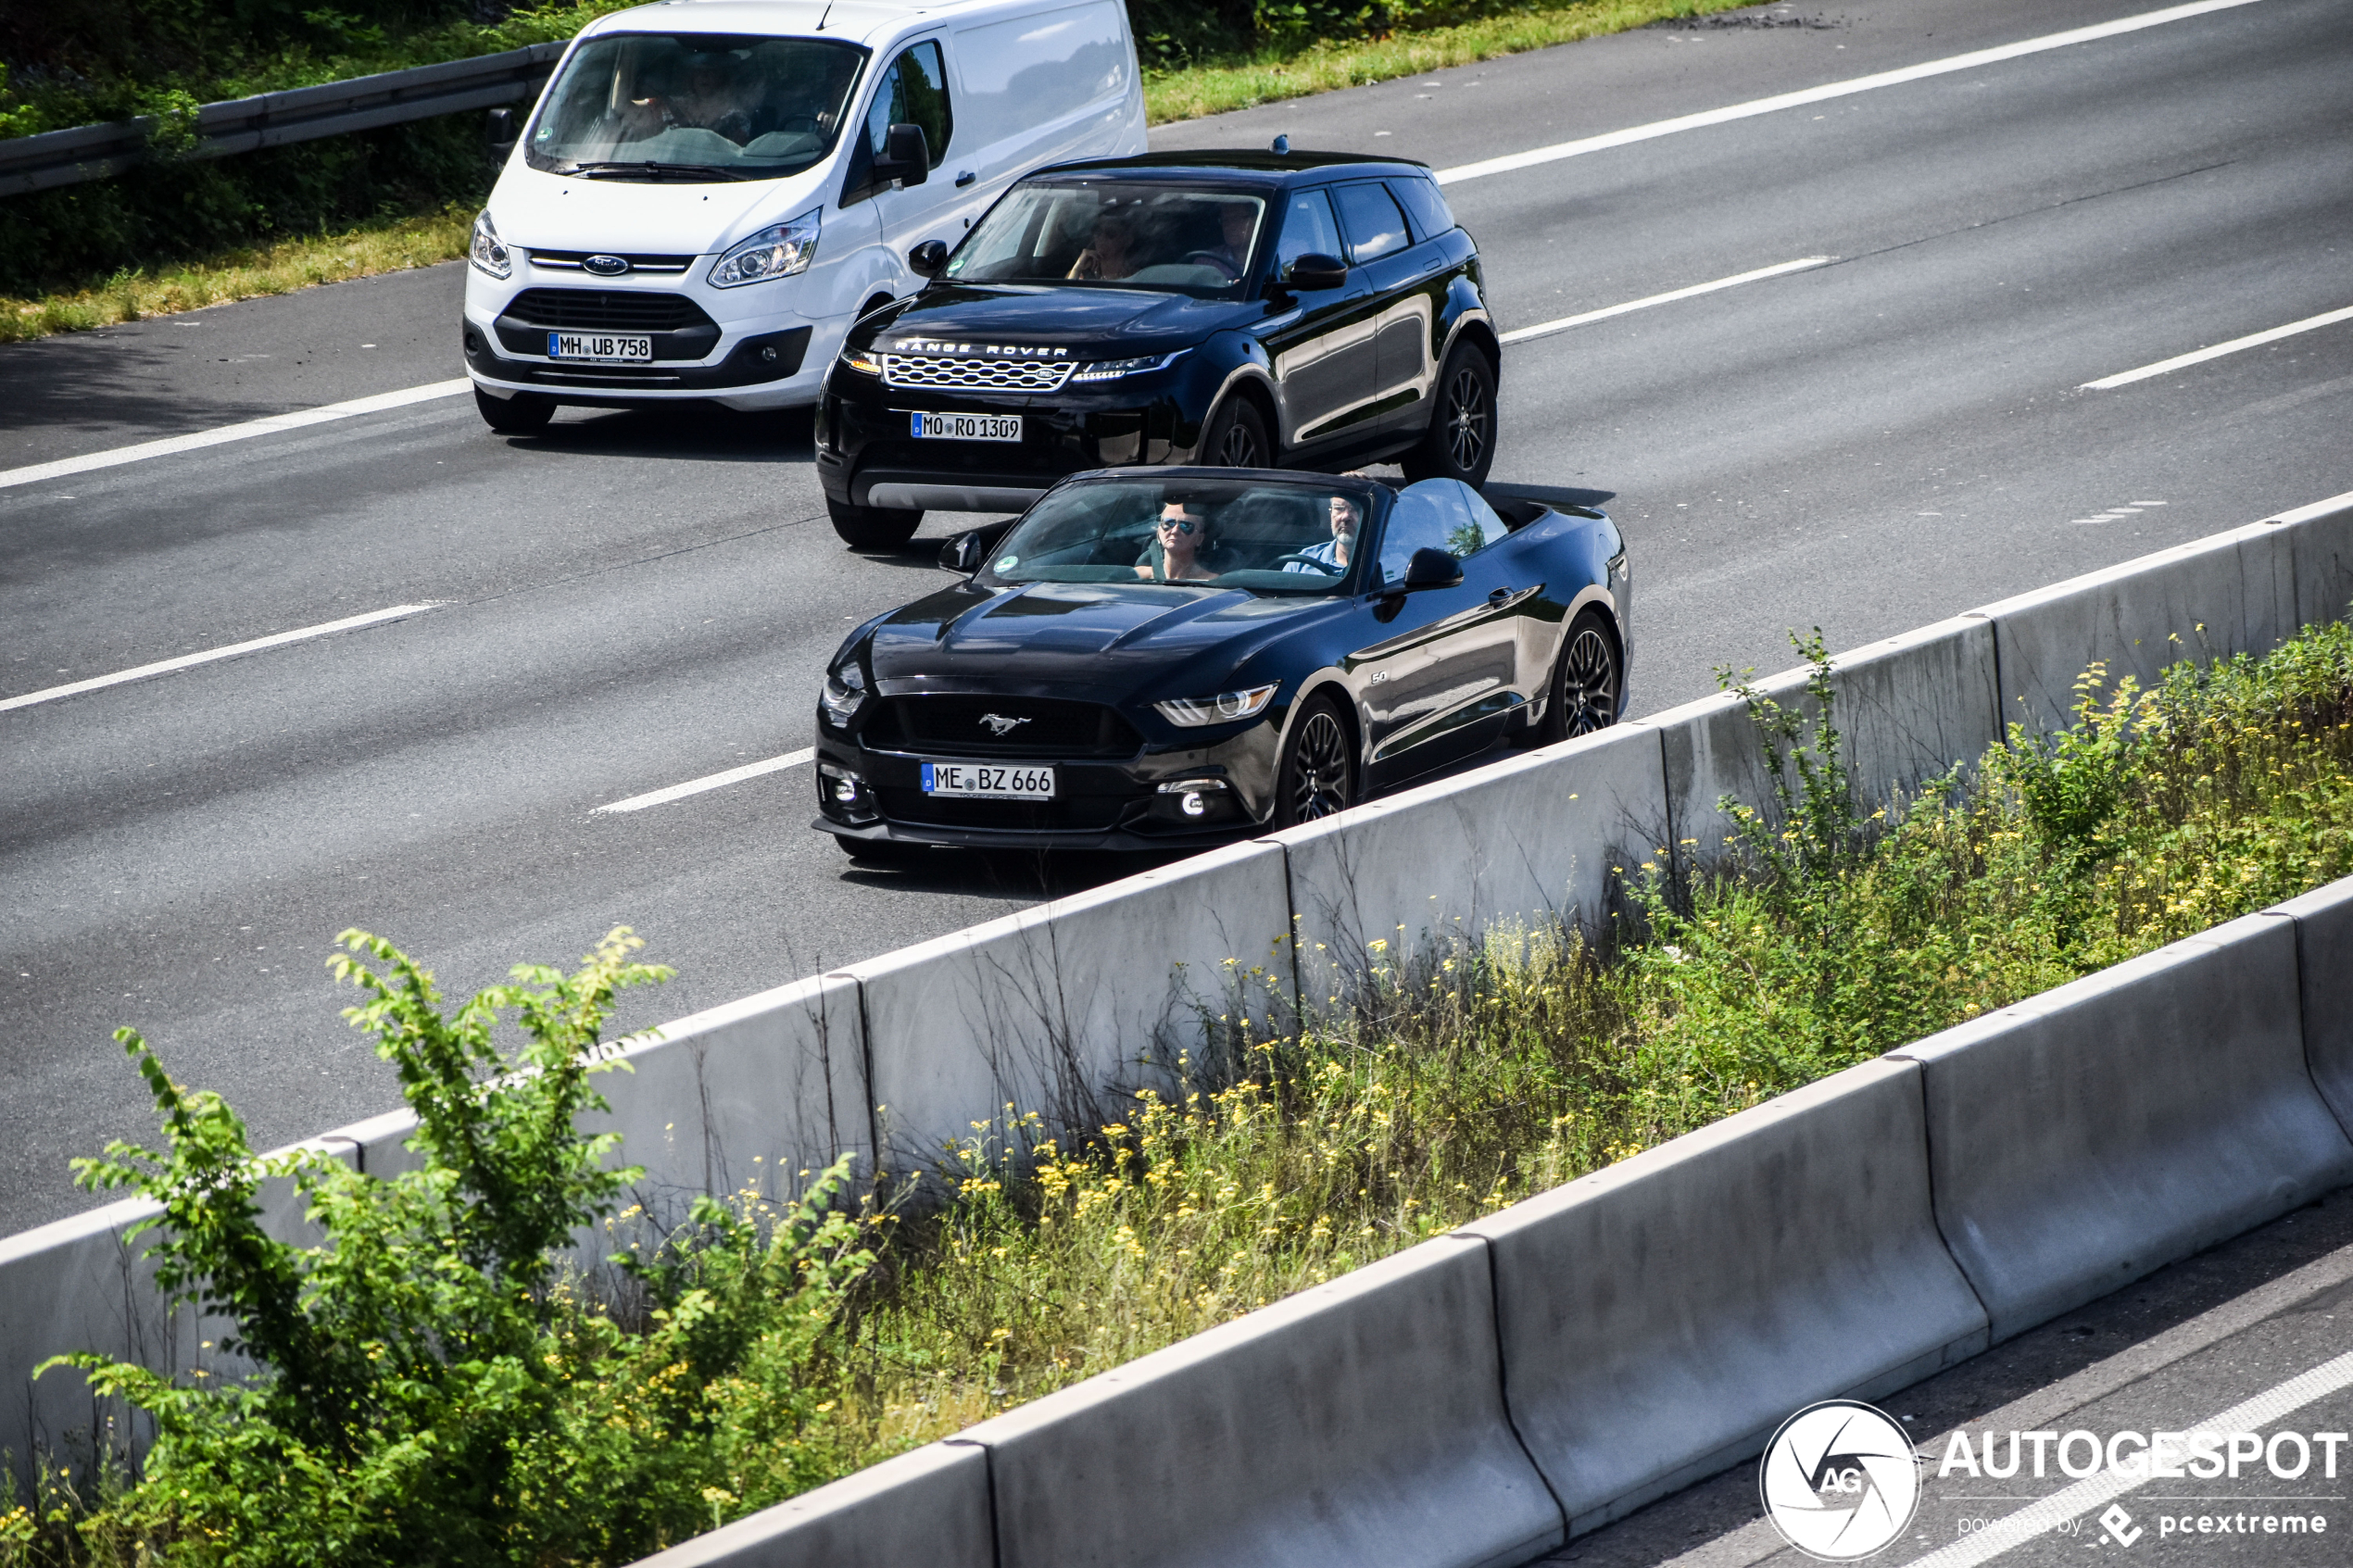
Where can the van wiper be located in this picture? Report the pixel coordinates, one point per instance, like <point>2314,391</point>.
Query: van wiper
<point>650,170</point>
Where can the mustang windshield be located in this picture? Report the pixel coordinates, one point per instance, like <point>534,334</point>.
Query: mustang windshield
<point>1114,234</point>
<point>1267,538</point>
<point>694,107</point>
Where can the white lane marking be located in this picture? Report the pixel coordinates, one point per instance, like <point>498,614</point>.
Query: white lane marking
<point>2253,340</point>
<point>713,781</point>
<point>1971,61</point>
<point>202,438</point>
<point>2017,1529</point>
<point>165,667</point>
<point>1544,328</point>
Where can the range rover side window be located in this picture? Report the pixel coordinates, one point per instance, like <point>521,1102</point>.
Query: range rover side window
<point>914,90</point>
<point>1374,226</point>
<point>1425,204</point>
<point>1308,230</point>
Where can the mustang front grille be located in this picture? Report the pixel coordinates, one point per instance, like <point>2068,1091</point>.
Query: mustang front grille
<point>975,375</point>
<point>999,726</point>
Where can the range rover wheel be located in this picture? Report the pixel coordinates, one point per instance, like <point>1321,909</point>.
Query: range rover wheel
<point>1318,773</point>
<point>1237,437</point>
<point>1587,681</point>
<point>1461,440</point>
<point>872,528</point>
<point>523,414</point>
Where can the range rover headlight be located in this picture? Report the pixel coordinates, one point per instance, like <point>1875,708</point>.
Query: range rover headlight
<point>1112,370</point>
<point>845,694</point>
<point>487,252</point>
<point>866,362</point>
<point>1223,709</point>
<point>778,251</point>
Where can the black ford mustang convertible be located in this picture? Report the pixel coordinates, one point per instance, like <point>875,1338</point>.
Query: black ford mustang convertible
<point>1174,657</point>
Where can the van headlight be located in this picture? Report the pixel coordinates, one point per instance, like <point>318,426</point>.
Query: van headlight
<point>1223,709</point>
<point>778,251</point>
<point>487,252</point>
<point>1112,370</point>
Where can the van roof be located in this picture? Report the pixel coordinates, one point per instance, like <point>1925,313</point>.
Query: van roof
<point>856,20</point>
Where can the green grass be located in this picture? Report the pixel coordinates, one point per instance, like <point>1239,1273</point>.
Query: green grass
<point>1213,85</point>
<point>1466,1079</point>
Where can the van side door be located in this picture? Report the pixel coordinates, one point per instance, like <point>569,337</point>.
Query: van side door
<point>912,89</point>
<point>1321,344</point>
<point>1051,86</point>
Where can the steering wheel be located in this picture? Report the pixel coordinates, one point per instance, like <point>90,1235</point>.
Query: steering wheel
<point>1214,258</point>
<point>1327,568</point>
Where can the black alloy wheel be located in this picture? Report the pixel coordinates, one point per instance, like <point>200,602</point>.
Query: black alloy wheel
<point>523,414</point>
<point>873,528</point>
<point>1587,680</point>
<point>1461,440</point>
<point>1236,437</point>
<point>1318,775</point>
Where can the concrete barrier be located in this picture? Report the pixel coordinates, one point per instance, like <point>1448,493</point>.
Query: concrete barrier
<point>1660,1318</point>
<point>1359,1422</point>
<point>1533,839</point>
<point>1060,1008</point>
<point>929,1507</point>
<point>2092,1134</point>
<point>1906,710</point>
<point>2232,593</point>
<point>2324,970</point>
<point>2320,543</point>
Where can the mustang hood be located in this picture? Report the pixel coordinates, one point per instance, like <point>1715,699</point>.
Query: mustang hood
<point>1048,634</point>
<point>1102,323</point>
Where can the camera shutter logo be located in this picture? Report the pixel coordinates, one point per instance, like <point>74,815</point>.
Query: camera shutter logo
<point>1839,1480</point>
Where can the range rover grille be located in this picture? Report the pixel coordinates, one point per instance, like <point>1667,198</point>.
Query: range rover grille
<point>976,375</point>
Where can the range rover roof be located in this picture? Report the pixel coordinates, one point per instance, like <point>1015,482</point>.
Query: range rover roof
<point>1244,161</point>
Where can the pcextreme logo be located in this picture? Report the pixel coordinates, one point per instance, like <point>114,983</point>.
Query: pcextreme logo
<point>1839,1480</point>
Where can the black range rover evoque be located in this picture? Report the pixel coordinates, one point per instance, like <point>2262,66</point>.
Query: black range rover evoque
<point>1243,309</point>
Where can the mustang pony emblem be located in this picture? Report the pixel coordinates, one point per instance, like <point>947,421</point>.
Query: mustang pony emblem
<point>999,725</point>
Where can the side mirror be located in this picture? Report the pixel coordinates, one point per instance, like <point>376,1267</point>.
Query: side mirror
<point>1432,568</point>
<point>498,131</point>
<point>926,260</point>
<point>962,553</point>
<point>906,155</point>
<point>1315,271</point>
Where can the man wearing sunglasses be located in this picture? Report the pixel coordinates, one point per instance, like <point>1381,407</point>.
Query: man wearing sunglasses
<point>1179,534</point>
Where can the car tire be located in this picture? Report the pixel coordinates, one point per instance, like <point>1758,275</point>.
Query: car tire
<point>873,528</point>
<point>1236,437</point>
<point>1588,683</point>
<point>1318,773</point>
<point>523,414</point>
<point>1460,442</point>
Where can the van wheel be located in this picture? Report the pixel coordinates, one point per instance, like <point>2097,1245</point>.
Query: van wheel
<point>1460,442</point>
<point>872,528</point>
<point>1236,437</point>
<point>523,414</point>
<point>1587,681</point>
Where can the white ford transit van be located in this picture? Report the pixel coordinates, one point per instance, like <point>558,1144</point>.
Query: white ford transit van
<point>710,192</point>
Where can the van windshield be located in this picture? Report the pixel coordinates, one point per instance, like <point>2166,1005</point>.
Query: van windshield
<point>1114,234</point>
<point>694,106</point>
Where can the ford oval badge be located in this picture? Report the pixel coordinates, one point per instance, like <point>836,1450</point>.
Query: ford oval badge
<point>606,266</point>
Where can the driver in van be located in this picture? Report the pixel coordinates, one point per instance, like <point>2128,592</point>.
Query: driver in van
<point>712,99</point>
<point>1332,552</point>
<point>1181,533</point>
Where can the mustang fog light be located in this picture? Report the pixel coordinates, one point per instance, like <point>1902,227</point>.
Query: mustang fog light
<point>1223,709</point>
<point>840,788</point>
<point>1192,794</point>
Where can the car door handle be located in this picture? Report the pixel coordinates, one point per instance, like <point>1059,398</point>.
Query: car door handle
<point>964,179</point>
<point>1501,596</point>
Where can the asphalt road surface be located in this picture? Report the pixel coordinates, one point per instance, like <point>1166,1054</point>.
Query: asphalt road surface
<point>633,601</point>
<point>2199,1340</point>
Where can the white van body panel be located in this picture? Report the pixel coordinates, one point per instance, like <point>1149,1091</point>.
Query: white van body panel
<point>1030,82</point>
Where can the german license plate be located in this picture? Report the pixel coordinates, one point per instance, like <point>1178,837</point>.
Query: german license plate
<point>987,781</point>
<point>964,426</point>
<point>605,348</point>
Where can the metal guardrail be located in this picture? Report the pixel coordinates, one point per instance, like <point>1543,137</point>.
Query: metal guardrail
<point>273,120</point>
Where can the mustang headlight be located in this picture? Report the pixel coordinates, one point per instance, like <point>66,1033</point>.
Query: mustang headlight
<point>487,251</point>
<point>1223,709</point>
<point>777,251</point>
<point>844,692</point>
<point>1112,370</point>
